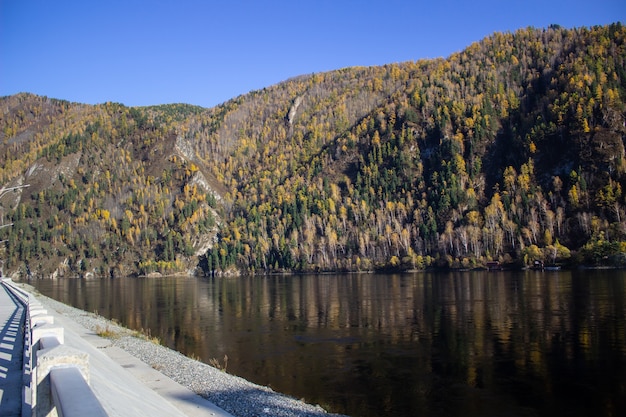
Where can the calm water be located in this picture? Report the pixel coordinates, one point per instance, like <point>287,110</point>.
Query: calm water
<point>454,344</point>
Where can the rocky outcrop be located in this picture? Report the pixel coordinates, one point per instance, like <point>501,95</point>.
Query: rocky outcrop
<point>293,110</point>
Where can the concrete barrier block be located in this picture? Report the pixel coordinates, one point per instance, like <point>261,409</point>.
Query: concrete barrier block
<point>45,330</point>
<point>48,342</point>
<point>15,290</point>
<point>60,356</point>
<point>32,301</point>
<point>39,311</point>
<point>42,319</point>
<point>72,395</point>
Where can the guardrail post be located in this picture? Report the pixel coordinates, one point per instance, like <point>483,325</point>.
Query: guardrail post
<point>41,319</point>
<point>60,356</point>
<point>45,330</point>
<point>68,383</point>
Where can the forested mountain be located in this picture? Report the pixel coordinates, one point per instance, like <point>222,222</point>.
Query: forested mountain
<point>512,150</point>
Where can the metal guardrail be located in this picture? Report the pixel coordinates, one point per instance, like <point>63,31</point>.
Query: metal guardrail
<point>55,376</point>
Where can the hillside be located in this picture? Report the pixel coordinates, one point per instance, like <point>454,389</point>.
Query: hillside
<point>512,150</point>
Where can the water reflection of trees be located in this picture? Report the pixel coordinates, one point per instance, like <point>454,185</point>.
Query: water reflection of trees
<point>514,335</point>
<point>472,342</point>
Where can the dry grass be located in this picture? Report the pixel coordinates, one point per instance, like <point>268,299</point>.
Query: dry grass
<point>216,363</point>
<point>147,335</point>
<point>106,332</point>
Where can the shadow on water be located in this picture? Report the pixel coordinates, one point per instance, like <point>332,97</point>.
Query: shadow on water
<point>471,344</point>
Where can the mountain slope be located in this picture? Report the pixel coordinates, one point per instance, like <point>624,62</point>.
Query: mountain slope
<point>512,150</point>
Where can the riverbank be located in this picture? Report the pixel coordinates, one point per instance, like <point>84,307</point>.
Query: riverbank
<point>231,393</point>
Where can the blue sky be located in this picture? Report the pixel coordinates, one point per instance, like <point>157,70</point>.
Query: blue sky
<point>139,52</point>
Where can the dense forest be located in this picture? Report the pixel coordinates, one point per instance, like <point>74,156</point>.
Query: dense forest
<point>512,150</point>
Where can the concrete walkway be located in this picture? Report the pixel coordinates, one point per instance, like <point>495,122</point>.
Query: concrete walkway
<point>124,385</point>
<point>12,314</point>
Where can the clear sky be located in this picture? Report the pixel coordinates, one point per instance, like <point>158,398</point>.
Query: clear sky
<point>140,52</point>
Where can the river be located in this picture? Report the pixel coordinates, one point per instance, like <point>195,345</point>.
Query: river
<point>427,344</point>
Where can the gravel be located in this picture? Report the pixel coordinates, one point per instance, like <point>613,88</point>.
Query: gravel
<point>231,393</point>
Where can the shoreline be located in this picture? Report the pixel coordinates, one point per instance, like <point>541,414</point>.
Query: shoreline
<point>237,273</point>
<point>233,394</point>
